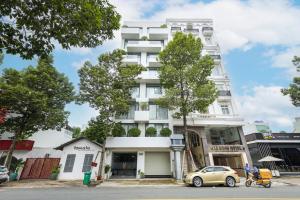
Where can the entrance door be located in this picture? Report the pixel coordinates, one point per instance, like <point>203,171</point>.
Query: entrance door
<point>124,165</point>
<point>233,161</point>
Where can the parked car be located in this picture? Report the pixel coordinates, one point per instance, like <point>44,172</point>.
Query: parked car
<point>3,174</point>
<point>213,175</point>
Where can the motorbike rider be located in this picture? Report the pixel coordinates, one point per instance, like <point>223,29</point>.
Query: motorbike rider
<point>256,172</point>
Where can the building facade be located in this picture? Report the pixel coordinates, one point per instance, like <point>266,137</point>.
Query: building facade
<point>256,127</point>
<point>216,137</point>
<point>285,146</point>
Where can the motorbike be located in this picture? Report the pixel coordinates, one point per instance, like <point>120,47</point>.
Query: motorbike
<point>264,178</point>
<point>4,177</point>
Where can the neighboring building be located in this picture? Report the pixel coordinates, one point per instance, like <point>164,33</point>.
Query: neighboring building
<point>280,145</point>
<point>297,125</point>
<point>256,127</point>
<point>77,157</point>
<point>39,145</point>
<point>217,137</point>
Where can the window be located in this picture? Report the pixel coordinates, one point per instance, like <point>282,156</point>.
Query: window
<point>208,40</point>
<point>88,159</point>
<point>157,112</point>
<point>130,114</point>
<point>209,169</point>
<point>224,136</point>
<point>158,127</point>
<point>153,90</point>
<point>69,163</point>
<point>220,169</point>
<point>129,126</point>
<point>135,92</point>
<point>225,109</point>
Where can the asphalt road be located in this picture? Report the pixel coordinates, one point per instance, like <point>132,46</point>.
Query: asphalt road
<point>112,193</point>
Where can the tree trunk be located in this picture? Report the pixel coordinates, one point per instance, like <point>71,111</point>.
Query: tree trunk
<point>101,164</point>
<point>187,145</point>
<point>10,153</point>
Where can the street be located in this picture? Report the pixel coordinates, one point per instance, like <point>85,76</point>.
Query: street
<point>171,192</point>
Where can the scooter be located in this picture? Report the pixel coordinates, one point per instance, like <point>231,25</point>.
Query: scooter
<point>264,179</point>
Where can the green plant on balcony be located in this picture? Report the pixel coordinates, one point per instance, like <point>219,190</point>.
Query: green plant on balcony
<point>134,132</point>
<point>145,38</point>
<point>151,132</point>
<point>118,131</point>
<point>165,132</point>
<point>144,106</point>
<point>163,26</point>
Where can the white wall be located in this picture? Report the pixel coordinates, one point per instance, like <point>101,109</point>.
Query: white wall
<point>77,173</point>
<point>138,142</point>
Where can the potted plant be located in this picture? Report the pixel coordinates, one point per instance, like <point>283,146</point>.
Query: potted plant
<point>106,170</point>
<point>163,26</point>
<point>165,132</point>
<point>134,132</point>
<point>118,131</point>
<point>141,174</point>
<point>144,106</point>
<point>151,132</point>
<point>144,38</point>
<point>54,173</point>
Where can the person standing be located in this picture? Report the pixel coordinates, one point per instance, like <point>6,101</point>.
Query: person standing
<point>247,170</point>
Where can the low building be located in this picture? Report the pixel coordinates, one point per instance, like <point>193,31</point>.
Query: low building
<point>256,127</point>
<point>285,146</point>
<point>77,158</point>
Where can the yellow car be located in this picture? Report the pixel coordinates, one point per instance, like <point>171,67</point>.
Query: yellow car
<point>213,175</point>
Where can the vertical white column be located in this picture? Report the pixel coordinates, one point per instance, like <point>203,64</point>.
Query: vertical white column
<point>211,159</point>
<point>178,165</point>
<point>140,162</point>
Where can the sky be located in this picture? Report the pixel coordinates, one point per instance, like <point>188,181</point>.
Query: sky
<point>258,39</point>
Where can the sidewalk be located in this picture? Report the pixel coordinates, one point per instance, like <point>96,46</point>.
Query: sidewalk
<point>41,184</point>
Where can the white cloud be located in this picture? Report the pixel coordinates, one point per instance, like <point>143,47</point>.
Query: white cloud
<point>78,64</point>
<point>267,103</point>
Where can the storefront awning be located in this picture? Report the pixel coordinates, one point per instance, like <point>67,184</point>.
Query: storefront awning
<point>20,145</point>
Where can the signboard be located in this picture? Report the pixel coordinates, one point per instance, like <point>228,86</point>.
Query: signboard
<point>226,148</point>
<point>82,148</point>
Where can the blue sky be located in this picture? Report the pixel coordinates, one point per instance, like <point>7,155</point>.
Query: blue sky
<point>257,44</point>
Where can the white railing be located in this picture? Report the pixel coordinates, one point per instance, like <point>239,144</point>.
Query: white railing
<point>215,116</point>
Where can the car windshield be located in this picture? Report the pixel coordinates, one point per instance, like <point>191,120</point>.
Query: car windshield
<point>199,169</point>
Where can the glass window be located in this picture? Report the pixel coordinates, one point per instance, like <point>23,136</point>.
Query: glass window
<point>88,159</point>
<point>157,112</point>
<point>69,163</point>
<point>129,126</point>
<point>158,127</point>
<point>220,169</point>
<point>130,114</point>
<point>135,92</point>
<point>153,90</point>
<point>225,109</point>
<point>209,169</point>
<point>225,136</point>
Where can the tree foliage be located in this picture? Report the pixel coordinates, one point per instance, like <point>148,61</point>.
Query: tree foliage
<point>184,76</point>
<point>31,28</point>
<point>76,132</point>
<point>34,98</point>
<point>118,130</point>
<point>294,89</point>
<point>151,132</point>
<point>134,132</point>
<point>165,132</point>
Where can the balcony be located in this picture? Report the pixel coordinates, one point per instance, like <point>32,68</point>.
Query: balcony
<point>132,59</point>
<point>143,46</point>
<point>158,33</point>
<point>138,142</point>
<point>152,61</point>
<point>175,29</point>
<point>141,116</point>
<point>194,32</point>
<point>148,77</point>
<point>207,31</point>
<point>130,33</point>
<point>225,93</point>
<point>217,58</point>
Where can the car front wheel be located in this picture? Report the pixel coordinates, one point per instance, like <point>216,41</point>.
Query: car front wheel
<point>230,182</point>
<point>197,181</point>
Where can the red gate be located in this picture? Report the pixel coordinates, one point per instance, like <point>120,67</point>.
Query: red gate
<point>39,168</point>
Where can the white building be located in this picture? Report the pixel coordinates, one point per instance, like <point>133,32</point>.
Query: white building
<point>43,144</point>
<point>216,137</point>
<point>297,125</point>
<point>77,156</point>
<point>256,127</point>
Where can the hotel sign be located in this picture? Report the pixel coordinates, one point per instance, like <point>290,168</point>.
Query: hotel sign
<point>82,148</point>
<point>226,148</point>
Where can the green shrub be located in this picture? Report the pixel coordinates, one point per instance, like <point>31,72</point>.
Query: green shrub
<point>163,26</point>
<point>144,105</point>
<point>106,169</point>
<point>118,131</point>
<point>165,132</point>
<point>151,132</point>
<point>144,38</point>
<point>134,132</point>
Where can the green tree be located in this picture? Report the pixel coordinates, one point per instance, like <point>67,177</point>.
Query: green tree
<point>97,130</point>
<point>184,76</point>
<point>35,99</point>
<point>106,87</point>
<point>31,28</point>
<point>294,89</point>
<point>76,132</point>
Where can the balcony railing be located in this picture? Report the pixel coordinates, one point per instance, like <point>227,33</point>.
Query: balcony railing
<point>191,30</point>
<point>215,57</point>
<point>224,93</point>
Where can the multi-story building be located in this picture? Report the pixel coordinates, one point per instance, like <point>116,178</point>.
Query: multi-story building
<point>216,137</point>
<point>256,127</point>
